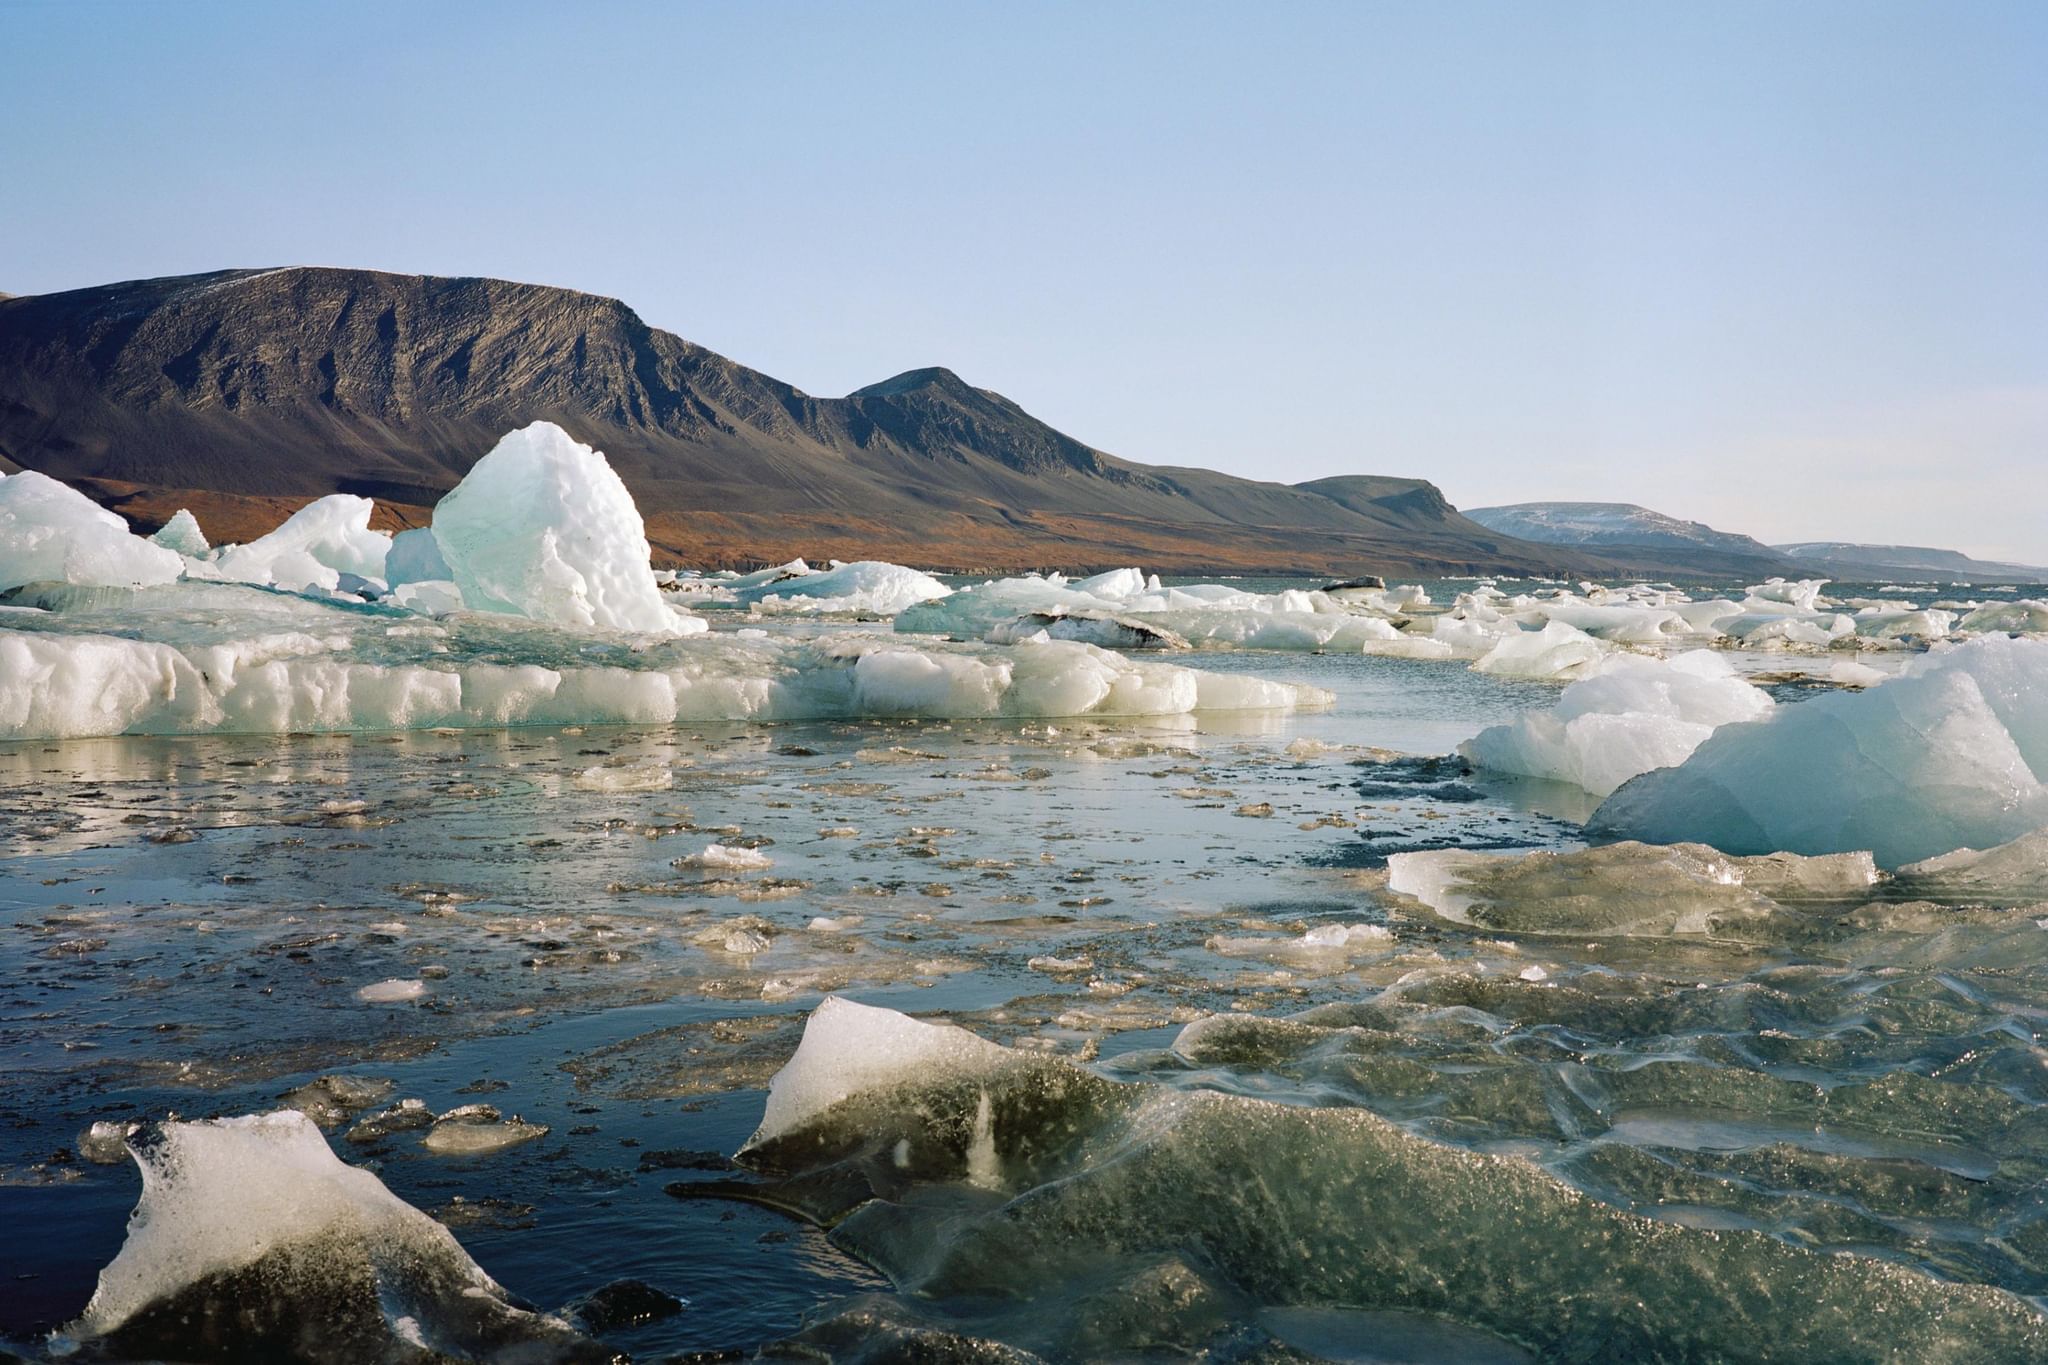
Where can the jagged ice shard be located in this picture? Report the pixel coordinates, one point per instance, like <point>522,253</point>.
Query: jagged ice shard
<point>51,533</point>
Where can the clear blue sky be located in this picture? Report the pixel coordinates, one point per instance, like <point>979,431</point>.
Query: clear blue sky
<point>1782,266</point>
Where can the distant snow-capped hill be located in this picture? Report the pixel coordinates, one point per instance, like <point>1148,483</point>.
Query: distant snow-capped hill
<point>1612,523</point>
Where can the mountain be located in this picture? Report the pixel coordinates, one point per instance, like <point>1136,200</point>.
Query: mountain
<point>243,393</point>
<point>1921,563</point>
<point>1612,523</point>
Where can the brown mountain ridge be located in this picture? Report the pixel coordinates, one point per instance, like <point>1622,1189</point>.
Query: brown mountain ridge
<point>242,394</point>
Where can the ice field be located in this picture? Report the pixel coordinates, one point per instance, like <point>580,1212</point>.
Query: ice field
<point>473,944</point>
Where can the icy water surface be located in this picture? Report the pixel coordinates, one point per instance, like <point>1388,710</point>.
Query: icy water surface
<point>1251,1103</point>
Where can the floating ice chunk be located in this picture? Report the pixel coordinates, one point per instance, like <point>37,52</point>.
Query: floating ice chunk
<point>1950,754</point>
<point>182,534</point>
<point>251,1239</point>
<point>1800,594</point>
<point>1903,625</point>
<point>541,527</point>
<point>726,858</point>
<point>478,1130</point>
<point>1556,651</point>
<point>415,557</point>
<point>393,992</point>
<point>867,587</point>
<point>2008,873</point>
<point>1631,714</point>
<point>318,543</point>
<point>429,597</point>
<point>1091,627</point>
<point>1626,889</point>
<point>53,533</point>
<point>105,1143</point>
<point>1849,673</point>
<point>2029,615</point>
<point>642,777</point>
<point>848,1049</point>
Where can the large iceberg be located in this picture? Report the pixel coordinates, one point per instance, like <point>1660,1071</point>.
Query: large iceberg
<point>1952,753</point>
<point>541,527</point>
<point>1631,714</point>
<point>253,1241</point>
<point>323,540</point>
<point>51,533</point>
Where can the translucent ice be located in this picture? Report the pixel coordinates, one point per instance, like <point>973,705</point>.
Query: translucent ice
<point>415,557</point>
<point>541,527</point>
<point>1626,889</point>
<point>182,533</point>
<point>1556,651</point>
<point>1631,714</point>
<point>52,533</point>
<point>318,543</point>
<point>1950,754</point>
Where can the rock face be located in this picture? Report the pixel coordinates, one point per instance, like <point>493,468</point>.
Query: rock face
<point>239,392</point>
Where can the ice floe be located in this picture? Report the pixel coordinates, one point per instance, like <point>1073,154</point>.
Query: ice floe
<point>195,658</point>
<point>1950,754</point>
<point>1629,715</point>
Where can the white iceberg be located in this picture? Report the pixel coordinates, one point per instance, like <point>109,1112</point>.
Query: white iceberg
<point>1631,714</point>
<point>326,538</point>
<point>51,533</point>
<point>1950,754</point>
<point>541,527</point>
<point>867,587</point>
<point>1556,651</point>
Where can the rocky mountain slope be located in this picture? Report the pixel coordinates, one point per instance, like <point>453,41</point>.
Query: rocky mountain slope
<point>243,393</point>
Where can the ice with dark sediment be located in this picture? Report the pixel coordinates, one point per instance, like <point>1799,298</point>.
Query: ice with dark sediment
<point>253,1241</point>
<point>1090,1190</point>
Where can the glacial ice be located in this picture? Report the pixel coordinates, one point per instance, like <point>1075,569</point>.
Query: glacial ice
<point>1950,754</point>
<point>1625,889</point>
<point>318,543</point>
<point>1557,650</point>
<point>182,534</point>
<point>2005,873</point>
<point>1143,1203</point>
<point>1630,714</point>
<point>866,587</point>
<point>849,1048</point>
<point>50,532</point>
<point>1127,609</point>
<point>415,557</point>
<point>250,1235</point>
<point>542,528</point>
<point>195,658</point>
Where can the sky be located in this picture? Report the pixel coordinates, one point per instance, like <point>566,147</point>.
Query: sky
<point>1782,268</point>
